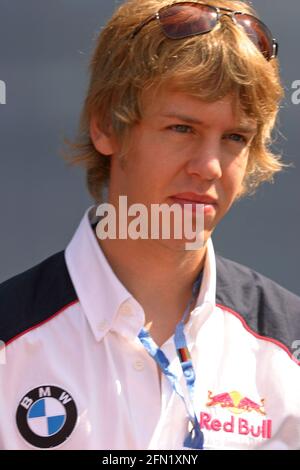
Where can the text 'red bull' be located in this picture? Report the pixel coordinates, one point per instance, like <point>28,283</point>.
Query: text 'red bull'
<point>237,425</point>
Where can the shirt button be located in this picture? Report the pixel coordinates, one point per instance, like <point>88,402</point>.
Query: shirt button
<point>139,365</point>
<point>102,325</point>
<point>126,309</point>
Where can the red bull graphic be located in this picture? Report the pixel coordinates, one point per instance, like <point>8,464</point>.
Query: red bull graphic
<point>241,426</point>
<point>236,403</point>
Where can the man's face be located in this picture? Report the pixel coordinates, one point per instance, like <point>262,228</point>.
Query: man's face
<point>172,159</point>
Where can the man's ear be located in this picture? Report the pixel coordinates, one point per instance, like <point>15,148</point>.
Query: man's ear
<point>102,140</point>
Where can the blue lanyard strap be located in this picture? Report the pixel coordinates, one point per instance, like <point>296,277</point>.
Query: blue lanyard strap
<point>161,359</point>
<point>194,439</point>
<point>181,344</point>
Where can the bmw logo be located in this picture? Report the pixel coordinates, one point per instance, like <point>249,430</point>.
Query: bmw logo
<point>46,416</point>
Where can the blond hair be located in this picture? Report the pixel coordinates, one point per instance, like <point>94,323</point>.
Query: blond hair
<point>206,66</point>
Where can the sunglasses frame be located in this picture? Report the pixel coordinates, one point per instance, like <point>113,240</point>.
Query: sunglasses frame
<point>218,10</point>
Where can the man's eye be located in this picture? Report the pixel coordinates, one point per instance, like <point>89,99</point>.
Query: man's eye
<point>181,128</point>
<point>238,138</point>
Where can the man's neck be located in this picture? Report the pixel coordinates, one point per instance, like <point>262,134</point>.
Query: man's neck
<point>159,278</point>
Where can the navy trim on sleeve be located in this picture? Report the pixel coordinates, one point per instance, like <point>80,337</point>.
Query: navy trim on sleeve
<point>32,297</point>
<point>268,309</point>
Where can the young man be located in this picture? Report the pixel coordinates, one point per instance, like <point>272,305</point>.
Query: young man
<point>181,105</point>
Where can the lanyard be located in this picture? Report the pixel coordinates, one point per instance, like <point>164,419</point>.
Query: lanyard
<point>194,439</point>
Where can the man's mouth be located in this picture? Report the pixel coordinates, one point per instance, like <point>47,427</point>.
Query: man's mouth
<point>193,200</point>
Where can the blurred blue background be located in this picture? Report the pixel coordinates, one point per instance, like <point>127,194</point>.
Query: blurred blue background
<point>44,52</point>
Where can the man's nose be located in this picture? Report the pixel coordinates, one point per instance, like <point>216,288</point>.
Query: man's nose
<point>206,162</point>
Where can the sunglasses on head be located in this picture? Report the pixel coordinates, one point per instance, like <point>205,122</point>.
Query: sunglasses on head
<point>184,19</point>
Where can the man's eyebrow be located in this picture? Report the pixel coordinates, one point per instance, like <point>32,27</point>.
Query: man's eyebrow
<point>182,117</point>
<point>245,128</point>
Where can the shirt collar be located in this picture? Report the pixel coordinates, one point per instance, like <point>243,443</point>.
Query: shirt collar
<point>106,302</point>
<point>207,293</point>
<point>206,300</point>
<point>93,278</point>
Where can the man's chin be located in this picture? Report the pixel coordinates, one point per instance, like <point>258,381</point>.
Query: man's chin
<point>184,244</point>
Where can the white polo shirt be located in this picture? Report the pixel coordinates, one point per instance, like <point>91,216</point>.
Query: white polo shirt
<point>77,377</point>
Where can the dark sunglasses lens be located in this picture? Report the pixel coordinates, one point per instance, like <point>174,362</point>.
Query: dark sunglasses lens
<point>258,32</point>
<point>187,19</point>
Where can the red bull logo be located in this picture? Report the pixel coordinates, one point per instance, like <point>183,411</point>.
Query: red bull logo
<point>236,403</point>
<point>236,425</point>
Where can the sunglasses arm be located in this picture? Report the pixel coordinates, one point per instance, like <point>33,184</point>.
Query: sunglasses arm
<point>144,23</point>
<point>275,49</point>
